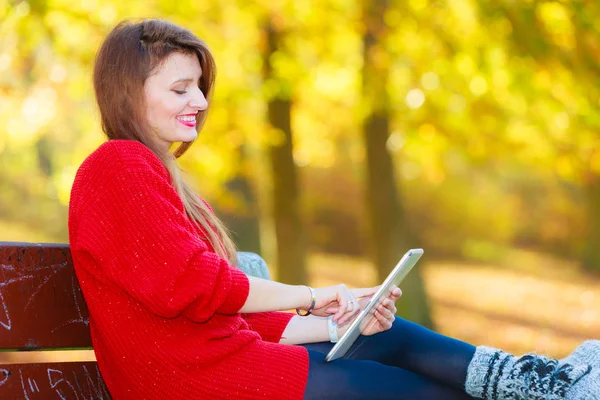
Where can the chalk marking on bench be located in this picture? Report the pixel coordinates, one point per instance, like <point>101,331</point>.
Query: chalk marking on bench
<point>23,385</point>
<point>35,268</point>
<point>81,319</point>
<point>6,374</point>
<point>53,384</point>
<point>8,324</point>
<point>9,267</point>
<point>91,381</point>
<point>13,280</point>
<point>77,383</point>
<point>37,389</point>
<point>76,300</point>
<point>37,290</point>
<point>72,321</point>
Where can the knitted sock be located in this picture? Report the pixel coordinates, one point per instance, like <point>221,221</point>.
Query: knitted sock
<point>588,387</point>
<point>587,353</point>
<point>496,375</point>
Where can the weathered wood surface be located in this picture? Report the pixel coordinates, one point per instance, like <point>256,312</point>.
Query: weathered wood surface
<point>77,381</point>
<point>41,305</point>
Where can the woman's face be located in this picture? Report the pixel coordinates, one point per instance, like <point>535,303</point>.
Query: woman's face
<point>173,99</point>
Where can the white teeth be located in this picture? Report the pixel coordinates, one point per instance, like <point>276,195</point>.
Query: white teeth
<point>186,118</point>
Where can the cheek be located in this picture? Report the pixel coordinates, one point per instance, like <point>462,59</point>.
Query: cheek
<point>170,109</point>
<point>160,112</point>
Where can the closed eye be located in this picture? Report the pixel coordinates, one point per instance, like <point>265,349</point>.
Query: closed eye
<point>180,91</point>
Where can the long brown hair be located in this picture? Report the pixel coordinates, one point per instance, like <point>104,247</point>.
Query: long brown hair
<point>129,54</point>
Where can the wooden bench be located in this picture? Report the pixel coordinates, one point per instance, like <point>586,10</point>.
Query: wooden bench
<point>45,345</point>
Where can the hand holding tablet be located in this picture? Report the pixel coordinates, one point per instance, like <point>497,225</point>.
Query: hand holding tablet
<point>367,316</point>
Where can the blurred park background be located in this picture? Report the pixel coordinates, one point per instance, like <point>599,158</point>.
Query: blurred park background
<point>343,132</point>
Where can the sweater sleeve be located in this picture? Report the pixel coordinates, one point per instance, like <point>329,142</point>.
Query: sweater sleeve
<point>269,325</point>
<point>134,225</point>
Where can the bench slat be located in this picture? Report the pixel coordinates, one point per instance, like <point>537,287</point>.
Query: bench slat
<point>52,381</point>
<point>41,305</point>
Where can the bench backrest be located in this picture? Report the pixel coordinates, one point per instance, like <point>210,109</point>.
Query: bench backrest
<point>42,308</point>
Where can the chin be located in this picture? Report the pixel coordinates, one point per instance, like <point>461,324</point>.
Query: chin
<point>187,137</point>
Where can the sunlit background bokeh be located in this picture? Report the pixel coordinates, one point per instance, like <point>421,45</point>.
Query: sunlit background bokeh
<point>493,127</point>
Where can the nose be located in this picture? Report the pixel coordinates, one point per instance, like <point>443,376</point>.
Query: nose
<point>198,100</point>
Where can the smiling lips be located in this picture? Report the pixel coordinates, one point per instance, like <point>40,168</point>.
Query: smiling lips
<point>187,120</point>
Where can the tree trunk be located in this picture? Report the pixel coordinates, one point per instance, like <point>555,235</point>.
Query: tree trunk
<point>291,250</point>
<point>244,226</point>
<point>390,234</point>
<point>591,256</point>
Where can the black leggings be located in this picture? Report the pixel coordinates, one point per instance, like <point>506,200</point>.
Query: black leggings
<point>405,362</point>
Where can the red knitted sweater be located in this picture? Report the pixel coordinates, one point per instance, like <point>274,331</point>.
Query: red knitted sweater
<point>163,306</point>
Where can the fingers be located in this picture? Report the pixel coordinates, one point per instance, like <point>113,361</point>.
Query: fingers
<point>347,303</point>
<point>363,292</point>
<point>342,297</point>
<point>387,308</point>
<point>395,293</point>
<point>351,311</point>
<point>384,317</point>
<point>351,307</point>
<point>385,314</point>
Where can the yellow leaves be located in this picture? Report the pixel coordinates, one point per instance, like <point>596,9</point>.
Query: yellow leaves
<point>595,161</point>
<point>464,13</point>
<point>564,167</point>
<point>70,33</point>
<point>430,81</point>
<point>334,82</point>
<point>422,154</point>
<point>522,132</point>
<point>557,21</point>
<point>318,154</point>
<point>501,27</point>
<point>464,64</point>
<point>427,132</point>
<point>542,79</point>
<point>276,138</point>
<point>516,103</point>
<point>415,98</point>
<point>5,62</point>
<point>37,110</point>
<point>314,144</point>
<point>63,182</point>
<point>500,79</point>
<point>395,142</point>
<point>457,103</point>
<point>478,85</point>
<point>418,5</point>
<point>107,14</point>
<point>58,73</point>
<point>400,77</point>
<point>560,124</point>
<point>393,17</point>
<point>22,9</point>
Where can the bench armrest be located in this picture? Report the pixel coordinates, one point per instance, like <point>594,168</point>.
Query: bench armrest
<point>253,264</point>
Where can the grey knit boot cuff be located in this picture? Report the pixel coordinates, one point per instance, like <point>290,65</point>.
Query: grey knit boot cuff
<point>497,375</point>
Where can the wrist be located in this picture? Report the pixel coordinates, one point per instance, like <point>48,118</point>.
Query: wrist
<point>333,331</point>
<point>309,306</point>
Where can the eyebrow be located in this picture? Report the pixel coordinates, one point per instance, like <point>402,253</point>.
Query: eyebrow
<point>185,80</point>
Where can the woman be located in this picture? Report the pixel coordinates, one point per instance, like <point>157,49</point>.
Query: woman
<point>170,317</point>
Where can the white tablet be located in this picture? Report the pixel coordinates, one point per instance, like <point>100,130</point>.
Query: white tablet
<point>366,315</point>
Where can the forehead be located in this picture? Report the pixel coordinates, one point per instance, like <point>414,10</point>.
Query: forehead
<point>179,66</point>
